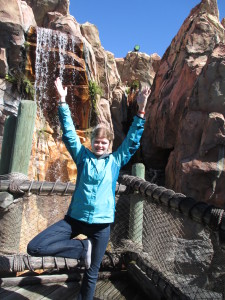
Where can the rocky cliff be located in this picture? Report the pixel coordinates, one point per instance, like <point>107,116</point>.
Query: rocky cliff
<point>185,127</point>
<point>184,134</point>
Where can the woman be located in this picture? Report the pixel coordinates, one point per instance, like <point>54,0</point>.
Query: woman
<point>93,202</point>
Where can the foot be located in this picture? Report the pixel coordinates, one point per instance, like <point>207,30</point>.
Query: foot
<point>87,260</point>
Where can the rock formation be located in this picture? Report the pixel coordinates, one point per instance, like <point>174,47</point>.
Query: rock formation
<point>42,8</point>
<point>87,62</point>
<point>184,135</point>
<point>185,127</point>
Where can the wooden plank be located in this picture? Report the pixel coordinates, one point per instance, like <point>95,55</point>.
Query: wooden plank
<point>23,137</point>
<point>115,291</point>
<point>7,144</point>
<point>46,290</point>
<point>6,291</point>
<point>33,292</point>
<point>101,287</point>
<point>75,293</point>
<point>107,289</point>
<point>47,187</point>
<point>37,262</point>
<point>64,291</point>
<point>41,187</point>
<point>40,279</point>
<point>112,289</point>
<point>118,286</point>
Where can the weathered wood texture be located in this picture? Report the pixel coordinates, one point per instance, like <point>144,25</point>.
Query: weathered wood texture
<point>41,187</point>
<point>42,279</point>
<point>120,288</point>
<point>46,188</point>
<point>7,144</point>
<point>23,137</point>
<point>136,207</point>
<point>20,263</point>
<point>24,262</point>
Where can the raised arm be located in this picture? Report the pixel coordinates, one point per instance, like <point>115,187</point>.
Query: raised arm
<point>142,101</point>
<point>61,91</point>
<point>70,137</point>
<point>132,141</point>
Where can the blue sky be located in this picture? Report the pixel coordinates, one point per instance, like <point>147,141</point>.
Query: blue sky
<point>123,24</point>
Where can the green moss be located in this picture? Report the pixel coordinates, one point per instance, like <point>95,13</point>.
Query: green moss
<point>23,85</point>
<point>135,85</point>
<point>42,134</point>
<point>94,90</point>
<point>26,45</point>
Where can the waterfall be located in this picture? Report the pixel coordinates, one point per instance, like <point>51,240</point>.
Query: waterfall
<point>51,60</point>
<point>55,57</point>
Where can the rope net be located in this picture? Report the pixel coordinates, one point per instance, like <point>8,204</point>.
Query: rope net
<point>184,254</point>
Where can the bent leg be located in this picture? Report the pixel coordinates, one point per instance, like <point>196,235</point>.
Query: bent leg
<point>56,240</point>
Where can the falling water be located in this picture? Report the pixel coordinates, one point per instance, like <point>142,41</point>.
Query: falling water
<point>51,50</point>
<point>51,60</point>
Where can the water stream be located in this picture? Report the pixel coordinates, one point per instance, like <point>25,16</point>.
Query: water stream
<point>54,58</point>
<point>51,60</point>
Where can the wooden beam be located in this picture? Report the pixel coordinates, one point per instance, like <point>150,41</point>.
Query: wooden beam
<point>7,144</point>
<point>136,208</point>
<point>41,279</point>
<point>23,137</point>
<point>45,187</point>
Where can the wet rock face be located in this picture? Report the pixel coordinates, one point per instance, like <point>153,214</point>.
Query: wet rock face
<point>60,56</point>
<point>187,104</point>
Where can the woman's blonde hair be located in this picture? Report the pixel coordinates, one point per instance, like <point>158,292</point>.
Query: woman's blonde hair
<point>102,131</point>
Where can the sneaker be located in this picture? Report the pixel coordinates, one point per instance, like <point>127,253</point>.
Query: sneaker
<point>87,259</point>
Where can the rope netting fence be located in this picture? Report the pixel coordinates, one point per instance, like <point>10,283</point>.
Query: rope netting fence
<point>174,240</point>
<point>165,239</point>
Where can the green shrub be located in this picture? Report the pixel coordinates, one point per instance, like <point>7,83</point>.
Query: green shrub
<point>94,90</point>
<point>135,85</point>
<point>23,85</point>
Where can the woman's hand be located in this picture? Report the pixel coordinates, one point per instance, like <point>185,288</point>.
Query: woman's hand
<point>61,91</point>
<point>142,100</point>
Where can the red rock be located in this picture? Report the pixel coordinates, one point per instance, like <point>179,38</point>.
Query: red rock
<point>186,108</point>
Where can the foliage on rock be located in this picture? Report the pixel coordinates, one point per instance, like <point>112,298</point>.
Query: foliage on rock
<point>23,85</point>
<point>94,90</point>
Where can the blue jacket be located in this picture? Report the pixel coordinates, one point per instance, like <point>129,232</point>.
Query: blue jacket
<point>93,200</point>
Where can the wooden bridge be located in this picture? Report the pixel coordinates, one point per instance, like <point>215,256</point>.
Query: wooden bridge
<point>66,286</point>
<point>163,245</point>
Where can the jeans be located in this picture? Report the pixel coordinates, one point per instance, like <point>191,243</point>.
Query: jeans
<point>57,240</point>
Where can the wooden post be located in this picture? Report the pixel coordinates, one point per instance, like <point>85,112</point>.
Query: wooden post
<point>23,137</point>
<point>7,144</point>
<point>136,208</point>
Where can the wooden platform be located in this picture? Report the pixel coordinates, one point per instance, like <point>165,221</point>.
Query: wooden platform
<point>122,288</point>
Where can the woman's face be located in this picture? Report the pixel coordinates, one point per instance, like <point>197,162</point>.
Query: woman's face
<point>100,146</point>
